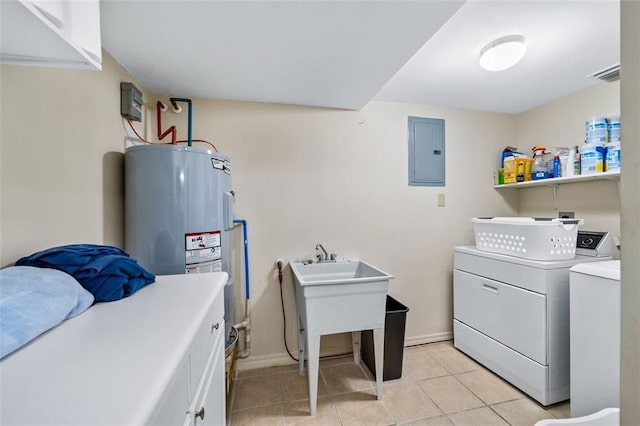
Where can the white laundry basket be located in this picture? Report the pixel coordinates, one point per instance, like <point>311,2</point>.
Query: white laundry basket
<point>528,237</point>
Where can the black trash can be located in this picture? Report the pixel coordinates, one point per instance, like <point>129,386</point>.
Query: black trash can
<point>394,324</point>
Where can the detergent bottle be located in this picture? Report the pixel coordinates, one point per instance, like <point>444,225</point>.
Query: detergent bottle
<point>539,169</point>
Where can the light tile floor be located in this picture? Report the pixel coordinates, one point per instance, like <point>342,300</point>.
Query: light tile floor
<point>439,386</point>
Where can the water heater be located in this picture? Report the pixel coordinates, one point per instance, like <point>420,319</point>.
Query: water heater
<point>179,211</point>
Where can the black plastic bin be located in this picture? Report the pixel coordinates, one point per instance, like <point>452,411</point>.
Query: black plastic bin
<point>394,324</point>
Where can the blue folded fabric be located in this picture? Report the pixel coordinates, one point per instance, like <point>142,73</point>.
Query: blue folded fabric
<point>34,300</point>
<point>107,272</point>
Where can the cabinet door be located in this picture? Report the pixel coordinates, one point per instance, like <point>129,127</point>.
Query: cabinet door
<point>210,409</point>
<point>53,10</point>
<point>171,411</point>
<point>57,33</point>
<point>211,330</point>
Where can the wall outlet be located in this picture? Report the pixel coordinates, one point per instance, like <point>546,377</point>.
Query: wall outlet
<point>566,215</point>
<point>441,200</point>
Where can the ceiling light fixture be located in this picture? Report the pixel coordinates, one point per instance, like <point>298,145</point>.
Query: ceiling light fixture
<point>502,53</point>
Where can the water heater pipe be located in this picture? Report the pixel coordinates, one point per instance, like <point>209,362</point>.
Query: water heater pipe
<point>246,323</point>
<point>174,103</point>
<point>161,135</point>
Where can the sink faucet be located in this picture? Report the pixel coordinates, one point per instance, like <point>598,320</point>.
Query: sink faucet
<point>322,256</point>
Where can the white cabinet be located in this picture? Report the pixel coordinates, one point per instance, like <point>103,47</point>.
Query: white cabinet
<point>197,395</point>
<point>55,33</point>
<point>512,315</point>
<point>156,357</point>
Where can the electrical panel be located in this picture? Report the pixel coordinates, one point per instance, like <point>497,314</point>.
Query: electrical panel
<point>130,102</point>
<point>426,152</point>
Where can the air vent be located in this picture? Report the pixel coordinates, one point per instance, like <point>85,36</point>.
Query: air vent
<point>608,74</point>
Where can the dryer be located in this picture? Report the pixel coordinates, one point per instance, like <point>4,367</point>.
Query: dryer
<point>594,312</point>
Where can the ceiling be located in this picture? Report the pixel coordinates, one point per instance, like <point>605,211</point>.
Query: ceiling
<point>343,54</point>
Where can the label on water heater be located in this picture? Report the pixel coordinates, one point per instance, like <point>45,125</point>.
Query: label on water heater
<point>215,266</point>
<point>203,252</point>
<point>217,164</point>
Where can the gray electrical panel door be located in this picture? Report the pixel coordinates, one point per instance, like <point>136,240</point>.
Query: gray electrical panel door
<point>426,152</point>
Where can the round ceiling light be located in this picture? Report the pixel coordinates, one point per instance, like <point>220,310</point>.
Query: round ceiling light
<point>502,53</point>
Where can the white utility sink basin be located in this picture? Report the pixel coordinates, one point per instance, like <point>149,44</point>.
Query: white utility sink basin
<point>336,272</point>
<point>337,297</point>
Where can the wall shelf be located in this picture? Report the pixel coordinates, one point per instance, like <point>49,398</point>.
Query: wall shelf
<point>613,175</point>
<point>556,182</point>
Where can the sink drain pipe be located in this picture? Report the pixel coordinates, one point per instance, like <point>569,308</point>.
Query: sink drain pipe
<point>246,323</point>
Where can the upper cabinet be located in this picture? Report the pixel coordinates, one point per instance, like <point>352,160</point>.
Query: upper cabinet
<point>54,33</point>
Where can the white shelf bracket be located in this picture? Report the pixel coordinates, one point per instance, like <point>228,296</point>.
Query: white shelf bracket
<point>555,196</point>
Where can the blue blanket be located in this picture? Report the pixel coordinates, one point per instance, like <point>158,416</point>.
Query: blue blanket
<point>107,272</point>
<point>33,300</point>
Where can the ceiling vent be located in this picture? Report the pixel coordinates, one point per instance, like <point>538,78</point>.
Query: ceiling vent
<point>608,74</point>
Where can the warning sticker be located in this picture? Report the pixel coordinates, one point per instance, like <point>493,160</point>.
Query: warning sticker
<point>217,164</point>
<point>202,240</point>
<point>215,266</point>
<point>203,250</point>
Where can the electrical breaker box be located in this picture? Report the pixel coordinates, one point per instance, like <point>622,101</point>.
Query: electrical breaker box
<point>130,102</point>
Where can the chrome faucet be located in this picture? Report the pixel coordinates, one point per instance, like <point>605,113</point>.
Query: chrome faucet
<point>322,256</point>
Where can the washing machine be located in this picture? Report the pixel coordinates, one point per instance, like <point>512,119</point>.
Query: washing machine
<point>594,312</point>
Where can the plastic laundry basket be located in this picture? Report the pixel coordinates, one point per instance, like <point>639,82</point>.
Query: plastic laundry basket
<point>528,237</point>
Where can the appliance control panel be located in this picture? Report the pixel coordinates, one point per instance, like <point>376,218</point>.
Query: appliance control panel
<point>593,243</point>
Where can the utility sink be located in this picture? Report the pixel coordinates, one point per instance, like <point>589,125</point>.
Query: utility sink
<point>336,272</point>
<point>337,297</point>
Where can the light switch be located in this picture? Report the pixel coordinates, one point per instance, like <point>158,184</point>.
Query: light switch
<point>441,200</point>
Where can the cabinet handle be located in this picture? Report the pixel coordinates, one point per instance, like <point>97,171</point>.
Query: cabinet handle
<point>200,413</point>
<point>215,327</point>
<point>489,287</point>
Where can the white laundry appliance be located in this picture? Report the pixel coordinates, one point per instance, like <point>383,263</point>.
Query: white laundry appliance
<point>595,336</point>
<point>512,315</point>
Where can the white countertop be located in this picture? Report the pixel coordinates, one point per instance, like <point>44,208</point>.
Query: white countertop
<point>110,364</point>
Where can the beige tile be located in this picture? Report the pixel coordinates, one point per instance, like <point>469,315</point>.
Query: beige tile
<point>297,413</point>
<point>366,371</point>
<point>438,346</point>
<point>345,378</point>
<point>406,402</point>
<point>483,416</point>
<point>521,412</point>
<point>432,421</point>
<point>419,365</point>
<point>337,360</point>
<point>489,387</point>
<point>362,408</point>
<point>561,410</point>
<point>267,371</point>
<point>455,361</point>
<point>449,394</point>
<point>272,415</point>
<point>259,391</point>
<point>296,387</point>
<point>416,348</point>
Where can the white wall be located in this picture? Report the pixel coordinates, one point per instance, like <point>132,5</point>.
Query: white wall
<point>62,163</point>
<point>308,175</point>
<point>562,123</point>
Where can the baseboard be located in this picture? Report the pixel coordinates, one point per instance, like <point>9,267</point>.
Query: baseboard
<point>253,362</point>
<point>429,338</point>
